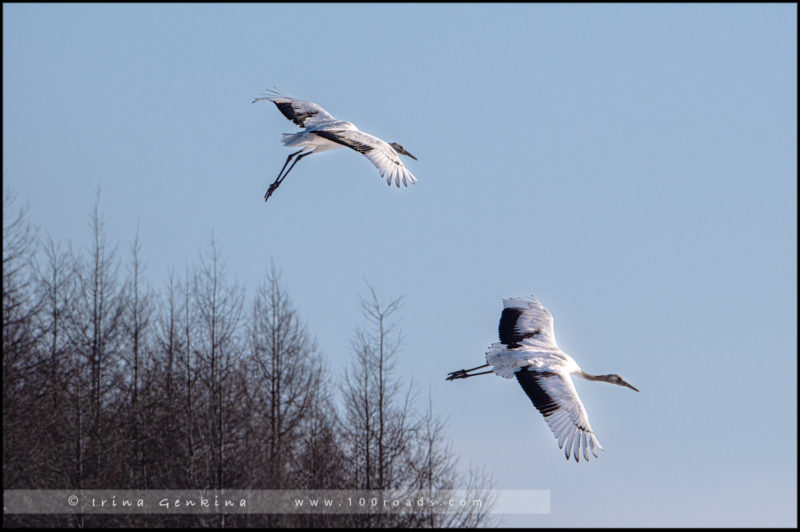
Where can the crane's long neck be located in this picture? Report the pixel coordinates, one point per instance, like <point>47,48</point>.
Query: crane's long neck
<point>590,377</point>
<point>613,379</point>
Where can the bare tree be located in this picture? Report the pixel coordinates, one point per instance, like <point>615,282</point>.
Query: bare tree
<point>22,453</point>
<point>18,303</point>
<point>55,286</point>
<point>94,327</point>
<point>377,410</point>
<point>389,446</point>
<point>190,365</point>
<point>435,468</point>
<point>284,384</point>
<point>378,424</point>
<point>169,341</point>
<point>286,375</point>
<point>164,387</point>
<point>219,309</point>
<point>138,313</point>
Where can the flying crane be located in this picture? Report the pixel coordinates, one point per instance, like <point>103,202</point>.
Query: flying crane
<point>527,350</point>
<point>323,132</point>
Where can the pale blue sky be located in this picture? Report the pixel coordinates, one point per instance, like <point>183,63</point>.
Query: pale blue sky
<point>633,166</point>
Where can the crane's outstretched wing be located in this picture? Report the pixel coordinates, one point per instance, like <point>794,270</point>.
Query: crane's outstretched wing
<point>302,113</point>
<point>525,321</point>
<point>381,153</point>
<point>555,396</point>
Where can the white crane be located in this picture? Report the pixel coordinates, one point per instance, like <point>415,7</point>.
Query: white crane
<point>528,350</point>
<point>323,133</point>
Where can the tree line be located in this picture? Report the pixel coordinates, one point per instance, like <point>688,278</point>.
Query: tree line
<point>109,383</point>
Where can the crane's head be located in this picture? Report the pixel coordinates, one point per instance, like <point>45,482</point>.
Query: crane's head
<point>401,150</point>
<point>616,379</point>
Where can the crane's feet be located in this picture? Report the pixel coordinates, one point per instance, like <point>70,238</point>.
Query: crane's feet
<point>460,374</point>
<point>271,189</point>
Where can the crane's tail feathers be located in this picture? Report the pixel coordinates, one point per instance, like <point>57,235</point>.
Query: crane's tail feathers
<point>293,139</point>
<point>503,364</point>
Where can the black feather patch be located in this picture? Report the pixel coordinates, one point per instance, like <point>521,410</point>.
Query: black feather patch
<point>289,112</point>
<point>509,334</point>
<point>358,146</point>
<point>529,380</point>
<point>508,327</point>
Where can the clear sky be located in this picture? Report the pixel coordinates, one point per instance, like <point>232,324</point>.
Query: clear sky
<point>633,166</point>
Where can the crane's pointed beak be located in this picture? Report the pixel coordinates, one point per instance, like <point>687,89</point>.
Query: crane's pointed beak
<point>631,387</point>
<point>402,151</point>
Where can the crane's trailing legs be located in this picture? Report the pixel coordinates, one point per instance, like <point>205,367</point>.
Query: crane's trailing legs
<point>464,373</point>
<point>281,175</point>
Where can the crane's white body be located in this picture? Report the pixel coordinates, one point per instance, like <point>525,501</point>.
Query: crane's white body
<point>306,139</point>
<point>506,362</point>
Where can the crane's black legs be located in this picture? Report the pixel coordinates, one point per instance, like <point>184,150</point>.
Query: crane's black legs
<point>275,184</point>
<point>464,373</point>
<point>282,175</point>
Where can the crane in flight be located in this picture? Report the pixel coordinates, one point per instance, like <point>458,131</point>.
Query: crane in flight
<point>527,350</point>
<point>323,132</point>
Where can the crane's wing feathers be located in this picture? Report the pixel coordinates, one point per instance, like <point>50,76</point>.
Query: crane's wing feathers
<point>381,153</point>
<point>555,396</point>
<point>339,137</point>
<point>529,381</point>
<point>301,112</point>
<point>525,321</point>
<point>507,329</point>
